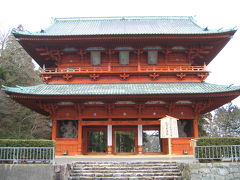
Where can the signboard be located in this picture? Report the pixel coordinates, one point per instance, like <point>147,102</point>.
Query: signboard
<point>169,127</point>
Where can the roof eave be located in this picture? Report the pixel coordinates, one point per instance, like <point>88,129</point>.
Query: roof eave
<point>26,34</point>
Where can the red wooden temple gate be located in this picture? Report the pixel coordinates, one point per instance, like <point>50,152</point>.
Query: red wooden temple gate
<point>108,81</point>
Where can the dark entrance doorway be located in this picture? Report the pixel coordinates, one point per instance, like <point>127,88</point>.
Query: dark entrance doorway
<point>125,140</point>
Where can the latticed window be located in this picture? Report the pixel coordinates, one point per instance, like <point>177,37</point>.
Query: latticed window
<point>152,57</point>
<point>95,58</point>
<point>124,57</point>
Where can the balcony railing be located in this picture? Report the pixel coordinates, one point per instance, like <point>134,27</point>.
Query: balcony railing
<point>125,68</point>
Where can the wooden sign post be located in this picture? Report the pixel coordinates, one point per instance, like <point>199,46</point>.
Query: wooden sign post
<point>169,129</point>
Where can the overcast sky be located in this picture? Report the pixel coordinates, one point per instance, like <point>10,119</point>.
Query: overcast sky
<point>214,14</point>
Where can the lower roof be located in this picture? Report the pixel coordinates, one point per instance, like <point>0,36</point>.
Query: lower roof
<point>99,89</point>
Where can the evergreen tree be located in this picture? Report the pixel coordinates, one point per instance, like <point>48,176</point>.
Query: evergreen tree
<point>225,122</point>
<point>16,68</point>
<point>202,121</point>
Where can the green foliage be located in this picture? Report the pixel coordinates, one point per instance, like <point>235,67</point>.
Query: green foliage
<point>17,121</point>
<point>203,120</point>
<point>26,143</point>
<point>217,141</point>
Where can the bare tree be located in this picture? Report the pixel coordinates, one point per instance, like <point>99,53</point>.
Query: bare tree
<point>225,122</point>
<point>3,40</point>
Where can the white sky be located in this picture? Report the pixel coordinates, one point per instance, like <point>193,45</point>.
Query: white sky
<point>225,68</point>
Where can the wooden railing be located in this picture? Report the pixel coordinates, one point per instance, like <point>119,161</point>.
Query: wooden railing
<point>172,68</point>
<point>125,68</point>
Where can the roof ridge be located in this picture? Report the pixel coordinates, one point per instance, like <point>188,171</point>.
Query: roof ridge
<point>123,18</point>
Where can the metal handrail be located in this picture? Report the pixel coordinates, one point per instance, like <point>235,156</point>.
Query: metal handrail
<point>223,152</point>
<point>26,154</point>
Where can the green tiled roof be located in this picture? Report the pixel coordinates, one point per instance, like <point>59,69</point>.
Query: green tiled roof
<point>137,25</point>
<point>121,89</point>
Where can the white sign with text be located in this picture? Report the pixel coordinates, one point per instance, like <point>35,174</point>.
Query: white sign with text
<point>169,127</point>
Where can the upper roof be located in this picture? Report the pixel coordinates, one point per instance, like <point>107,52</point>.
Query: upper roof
<point>121,89</point>
<point>136,25</point>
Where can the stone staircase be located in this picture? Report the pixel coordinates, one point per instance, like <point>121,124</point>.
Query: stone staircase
<point>132,170</point>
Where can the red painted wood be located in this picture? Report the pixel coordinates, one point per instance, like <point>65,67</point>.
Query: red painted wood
<point>75,67</point>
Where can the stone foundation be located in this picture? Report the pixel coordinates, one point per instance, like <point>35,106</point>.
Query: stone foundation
<point>212,171</point>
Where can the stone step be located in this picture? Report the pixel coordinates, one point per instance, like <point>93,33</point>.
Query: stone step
<point>127,174</point>
<point>130,178</point>
<point>124,162</point>
<point>123,167</point>
<point>126,165</point>
<point>123,170</point>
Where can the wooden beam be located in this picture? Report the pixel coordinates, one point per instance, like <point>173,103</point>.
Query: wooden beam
<point>119,123</point>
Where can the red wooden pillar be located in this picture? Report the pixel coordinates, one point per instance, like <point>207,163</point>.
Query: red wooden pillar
<point>54,129</point>
<point>79,149</point>
<point>195,127</point>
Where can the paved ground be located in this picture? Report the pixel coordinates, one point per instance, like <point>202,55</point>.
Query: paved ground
<point>71,159</point>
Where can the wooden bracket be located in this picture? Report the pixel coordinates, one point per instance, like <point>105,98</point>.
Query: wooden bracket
<point>94,77</point>
<point>181,75</point>
<point>50,108</point>
<point>110,108</point>
<point>171,106</point>
<point>154,75</point>
<point>138,52</point>
<point>124,76</point>
<point>79,108</point>
<point>46,78</point>
<point>82,53</point>
<point>199,107</point>
<point>140,108</point>
<point>110,52</point>
<point>67,77</point>
<point>202,76</point>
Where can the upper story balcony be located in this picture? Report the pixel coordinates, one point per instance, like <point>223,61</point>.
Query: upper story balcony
<point>124,69</point>
<point>119,73</point>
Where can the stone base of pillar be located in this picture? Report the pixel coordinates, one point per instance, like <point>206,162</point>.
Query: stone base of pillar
<point>109,149</point>
<point>140,150</point>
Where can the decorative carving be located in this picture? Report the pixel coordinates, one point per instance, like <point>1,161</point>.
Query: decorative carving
<point>67,77</point>
<point>68,129</point>
<point>181,75</point>
<point>94,76</point>
<point>154,76</point>
<point>124,76</point>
